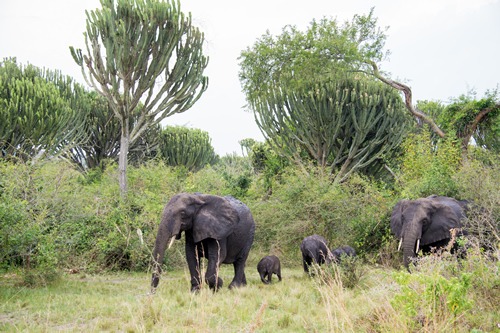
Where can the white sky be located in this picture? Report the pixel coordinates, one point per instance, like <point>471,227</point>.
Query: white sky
<point>441,48</point>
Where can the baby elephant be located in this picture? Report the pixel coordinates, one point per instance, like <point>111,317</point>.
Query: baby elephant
<point>314,250</point>
<point>268,266</point>
<point>342,251</point>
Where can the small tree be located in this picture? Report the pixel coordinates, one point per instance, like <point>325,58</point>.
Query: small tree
<point>142,51</point>
<point>191,148</point>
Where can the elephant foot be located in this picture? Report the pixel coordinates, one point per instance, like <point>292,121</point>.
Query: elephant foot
<point>213,285</point>
<point>237,284</point>
<point>195,289</point>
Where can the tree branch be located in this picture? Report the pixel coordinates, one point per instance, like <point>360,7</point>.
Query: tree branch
<point>408,99</point>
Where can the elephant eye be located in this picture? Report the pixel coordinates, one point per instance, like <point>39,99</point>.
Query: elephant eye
<point>425,221</point>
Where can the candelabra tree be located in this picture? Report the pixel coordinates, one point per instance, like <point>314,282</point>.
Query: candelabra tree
<point>41,112</point>
<point>344,125</point>
<point>142,52</point>
<point>191,148</point>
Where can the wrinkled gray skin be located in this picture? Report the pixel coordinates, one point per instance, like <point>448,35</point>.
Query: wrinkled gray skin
<point>314,249</point>
<point>342,251</point>
<point>268,266</point>
<point>220,229</point>
<point>426,221</point>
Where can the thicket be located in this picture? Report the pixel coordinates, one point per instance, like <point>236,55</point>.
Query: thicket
<point>54,218</point>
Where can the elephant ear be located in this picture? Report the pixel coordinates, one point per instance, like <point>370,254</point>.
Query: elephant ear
<point>443,219</point>
<point>216,219</point>
<point>396,218</point>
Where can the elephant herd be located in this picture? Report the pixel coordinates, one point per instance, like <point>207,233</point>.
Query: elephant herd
<point>221,229</point>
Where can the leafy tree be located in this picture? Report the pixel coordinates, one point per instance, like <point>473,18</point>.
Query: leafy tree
<point>326,49</point>
<point>142,51</point>
<point>40,111</point>
<point>470,118</point>
<point>181,146</point>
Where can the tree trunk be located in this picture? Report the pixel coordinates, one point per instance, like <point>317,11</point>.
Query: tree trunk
<point>122,161</point>
<point>408,99</point>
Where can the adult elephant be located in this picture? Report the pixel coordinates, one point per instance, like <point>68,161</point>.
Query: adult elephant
<point>314,249</point>
<point>425,223</point>
<point>220,229</point>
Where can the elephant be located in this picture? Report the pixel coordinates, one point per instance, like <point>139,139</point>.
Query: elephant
<point>426,223</point>
<point>220,229</point>
<point>314,249</point>
<point>342,251</point>
<point>268,266</point>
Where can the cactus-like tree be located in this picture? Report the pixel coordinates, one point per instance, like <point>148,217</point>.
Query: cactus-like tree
<point>344,125</point>
<point>142,52</point>
<point>191,148</point>
<point>103,136</point>
<point>40,111</point>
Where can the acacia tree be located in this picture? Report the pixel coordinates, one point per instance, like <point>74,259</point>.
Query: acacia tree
<point>142,52</point>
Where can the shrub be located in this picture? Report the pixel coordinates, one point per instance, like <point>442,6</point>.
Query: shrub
<point>427,167</point>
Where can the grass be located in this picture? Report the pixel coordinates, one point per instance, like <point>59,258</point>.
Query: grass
<point>121,303</point>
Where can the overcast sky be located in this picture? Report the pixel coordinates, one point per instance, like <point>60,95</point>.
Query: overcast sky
<point>441,48</point>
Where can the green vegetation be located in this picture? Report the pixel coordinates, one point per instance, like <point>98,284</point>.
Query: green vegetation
<point>75,252</point>
<point>382,300</point>
<point>191,148</point>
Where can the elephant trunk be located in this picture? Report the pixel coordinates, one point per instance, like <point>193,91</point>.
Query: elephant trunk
<point>162,239</point>
<point>410,241</point>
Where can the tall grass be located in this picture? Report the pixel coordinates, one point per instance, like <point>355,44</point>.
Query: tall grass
<point>442,295</point>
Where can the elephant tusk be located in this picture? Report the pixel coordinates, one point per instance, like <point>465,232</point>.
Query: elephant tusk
<point>400,243</point>
<point>171,242</point>
<point>418,246</point>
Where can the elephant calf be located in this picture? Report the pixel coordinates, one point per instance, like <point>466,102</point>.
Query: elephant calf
<point>343,251</point>
<point>268,266</point>
<point>314,249</point>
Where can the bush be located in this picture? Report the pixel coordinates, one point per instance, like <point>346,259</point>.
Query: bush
<point>354,213</point>
<point>428,167</point>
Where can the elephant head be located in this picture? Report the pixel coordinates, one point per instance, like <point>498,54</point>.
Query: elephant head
<point>424,222</point>
<point>203,216</point>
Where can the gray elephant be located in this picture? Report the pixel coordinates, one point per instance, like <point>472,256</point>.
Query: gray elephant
<point>343,251</point>
<point>315,250</point>
<point>220,229</point>
<point>268,266</point>
<point>425,223</point>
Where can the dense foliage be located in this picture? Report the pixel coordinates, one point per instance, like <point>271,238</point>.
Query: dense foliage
<point>51,216</point>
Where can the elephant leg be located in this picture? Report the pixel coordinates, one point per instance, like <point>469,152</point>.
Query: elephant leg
<point>269,277</point>
<point>263,277</point>
<point>193,261</point>
<point>240,278</point>
<point>306,261</point>
<point>279,275</point>
<point>216,255</point>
